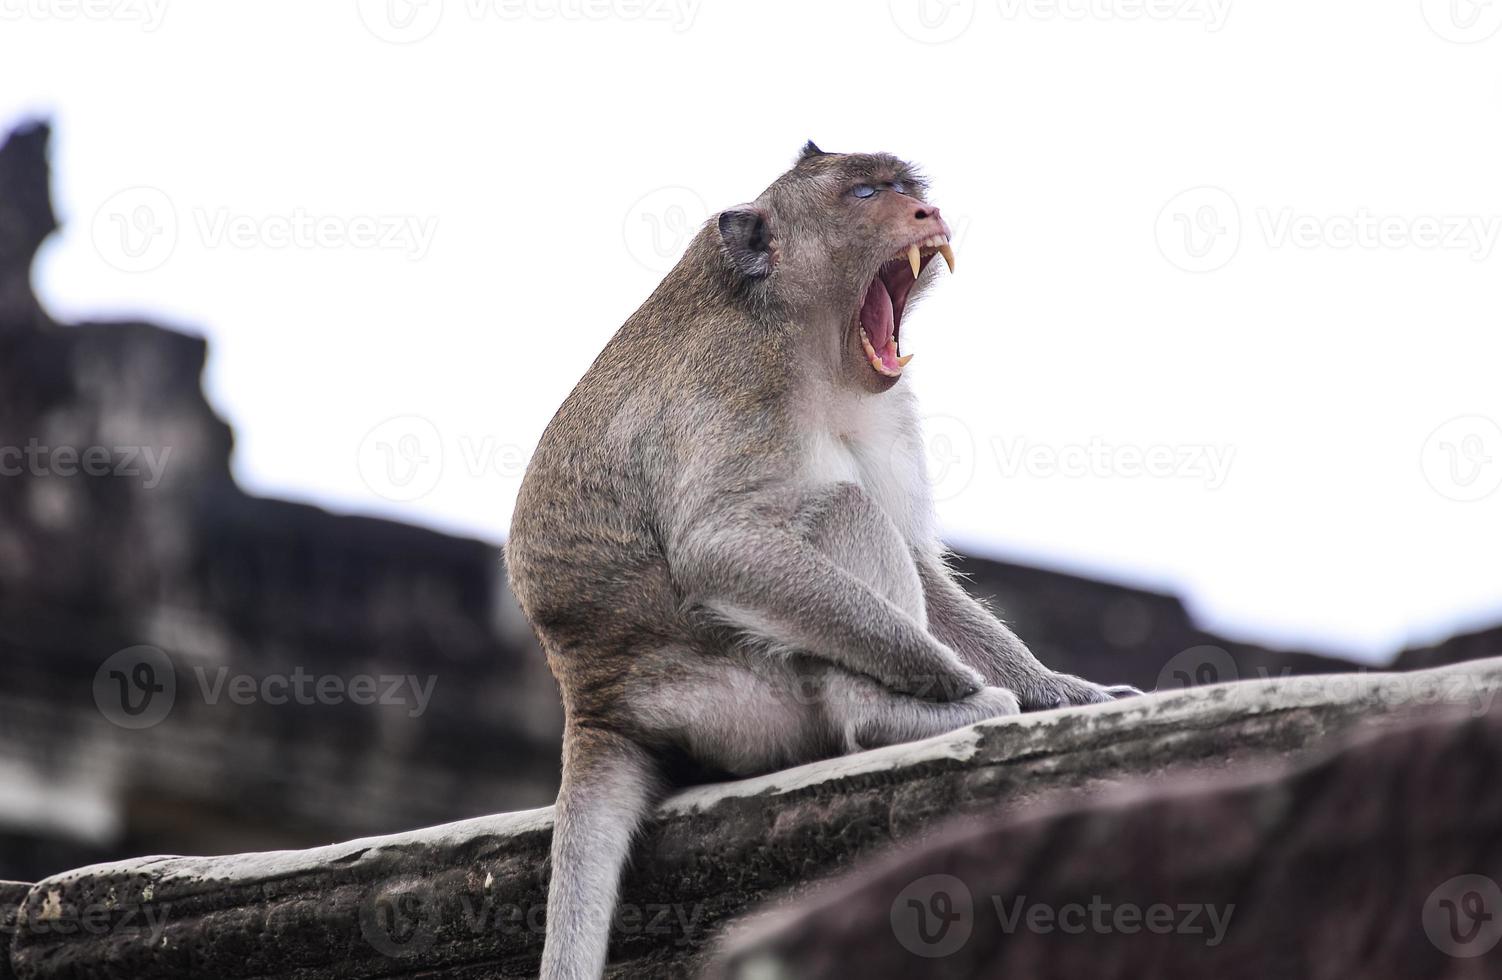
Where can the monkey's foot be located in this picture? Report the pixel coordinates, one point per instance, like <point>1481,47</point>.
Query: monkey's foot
<point>1064,690</point>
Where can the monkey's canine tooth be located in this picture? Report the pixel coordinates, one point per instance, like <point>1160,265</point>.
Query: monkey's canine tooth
<point>902,361</point>
<point>948,254</point>
<point>912,259</point>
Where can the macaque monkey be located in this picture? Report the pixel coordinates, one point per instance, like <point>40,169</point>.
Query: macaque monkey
<point>726,540</point>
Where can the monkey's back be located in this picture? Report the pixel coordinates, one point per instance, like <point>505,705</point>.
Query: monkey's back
<point>582,555</point>
<point>676,412</point>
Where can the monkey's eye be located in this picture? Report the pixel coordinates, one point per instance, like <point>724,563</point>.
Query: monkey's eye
<point>863,190</point>
<point>899,186</point>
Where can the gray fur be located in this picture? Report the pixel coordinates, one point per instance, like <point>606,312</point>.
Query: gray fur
<point>725,540</point>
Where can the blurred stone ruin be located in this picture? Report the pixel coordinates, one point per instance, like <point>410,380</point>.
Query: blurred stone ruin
<point>156,561</point>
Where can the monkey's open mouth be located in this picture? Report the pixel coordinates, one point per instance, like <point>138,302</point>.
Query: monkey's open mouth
<point>881,311</point>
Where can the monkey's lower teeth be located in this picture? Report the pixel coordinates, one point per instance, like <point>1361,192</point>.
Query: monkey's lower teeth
<point>879,362</point>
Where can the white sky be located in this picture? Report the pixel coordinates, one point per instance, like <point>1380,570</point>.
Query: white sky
<point>1269,230</point>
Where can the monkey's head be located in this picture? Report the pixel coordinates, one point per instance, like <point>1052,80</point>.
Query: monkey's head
<point>842,241</point>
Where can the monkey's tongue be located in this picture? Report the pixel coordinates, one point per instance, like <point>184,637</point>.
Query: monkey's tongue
<point>879,324</point>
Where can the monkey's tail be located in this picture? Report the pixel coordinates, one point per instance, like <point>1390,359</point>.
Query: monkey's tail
<point>609,786</point>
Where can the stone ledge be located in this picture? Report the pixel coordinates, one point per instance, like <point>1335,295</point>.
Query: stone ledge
<point>1379,860</point>
<point>464,900</point>
<point>12,893</point>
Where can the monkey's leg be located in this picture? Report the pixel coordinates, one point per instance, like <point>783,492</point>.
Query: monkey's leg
<point>609,785</point>
<point>985,643</point>
<point>806,585</point>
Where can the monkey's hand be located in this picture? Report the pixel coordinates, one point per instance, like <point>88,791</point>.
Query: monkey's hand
<point>957,619</point>
<point>995,702</point>
<point>959,681</point>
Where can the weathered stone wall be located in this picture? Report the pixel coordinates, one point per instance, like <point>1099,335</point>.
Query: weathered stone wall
<point>175,557</point>
<point>465,900</point>
<point>12,893</point>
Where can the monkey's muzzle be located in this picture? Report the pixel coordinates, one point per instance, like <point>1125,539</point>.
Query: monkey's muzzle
<point>886,297</point>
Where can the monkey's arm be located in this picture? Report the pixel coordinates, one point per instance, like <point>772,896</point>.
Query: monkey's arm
<point>772,582</point>
<point>984,642</point>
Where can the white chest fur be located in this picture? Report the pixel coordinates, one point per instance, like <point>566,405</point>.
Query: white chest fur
<point>876,441</point>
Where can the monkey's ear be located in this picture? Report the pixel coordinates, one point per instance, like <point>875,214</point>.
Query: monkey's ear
<point>746,235</point>
<point>809,150</point>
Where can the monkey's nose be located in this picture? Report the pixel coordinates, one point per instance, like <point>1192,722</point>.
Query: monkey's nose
<point>928,214</point>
